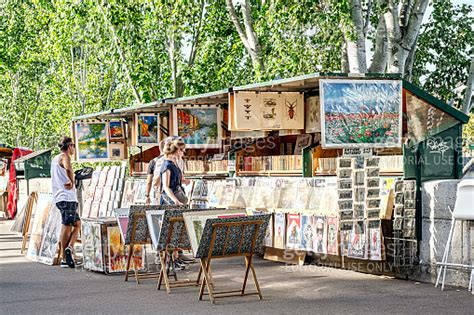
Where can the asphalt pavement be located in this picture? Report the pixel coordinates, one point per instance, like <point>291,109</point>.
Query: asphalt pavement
<point>29,287</point>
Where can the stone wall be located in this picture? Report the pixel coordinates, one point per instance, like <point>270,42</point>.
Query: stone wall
<point>438,197</point>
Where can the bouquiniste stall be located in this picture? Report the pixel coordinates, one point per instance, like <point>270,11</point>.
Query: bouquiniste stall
<point>337,160</point>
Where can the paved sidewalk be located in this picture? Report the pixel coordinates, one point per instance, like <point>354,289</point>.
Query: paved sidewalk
<point>28,287</point>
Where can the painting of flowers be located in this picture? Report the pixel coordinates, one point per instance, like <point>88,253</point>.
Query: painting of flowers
<point>92,141</point>
<point>365,113</point>
<point>147,129</point>
<point>199,126</point>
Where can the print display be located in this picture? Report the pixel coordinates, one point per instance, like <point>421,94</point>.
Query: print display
<point>293,235</point>
<point>333,244</point>
<point>313,120</point>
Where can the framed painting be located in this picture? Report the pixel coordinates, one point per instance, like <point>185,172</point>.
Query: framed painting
<point>117,151</point>
<point>147,129</point>
<point>361,113</point>
<point>92,141</point>
<point>198,126</point>
<point>116,130</point>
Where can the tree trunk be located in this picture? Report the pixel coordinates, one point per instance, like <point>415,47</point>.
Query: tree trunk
<point>467,103</point>
<point>249,37</point>
<point>379,59</point>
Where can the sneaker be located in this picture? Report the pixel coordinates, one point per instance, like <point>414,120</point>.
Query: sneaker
<point>182,263</point>
<point>177,266</point>
<point>63,264</point>
<point>69,258</point>
<point>186,259</point>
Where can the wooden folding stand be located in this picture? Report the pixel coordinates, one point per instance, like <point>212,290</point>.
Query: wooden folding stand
<point>206,261</point>
<point>32,199</point>
<point>173,243</point>
<point>136,216</point>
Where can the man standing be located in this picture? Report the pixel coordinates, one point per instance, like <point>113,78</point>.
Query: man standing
<point>153,166</point>
<point>65,198</point>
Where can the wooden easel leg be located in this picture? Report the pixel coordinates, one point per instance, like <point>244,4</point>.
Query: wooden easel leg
<point>198,281</point>
<point>203,284</point>
<point>130,252</point>
<point>248,264</point>
<point>256,281</point>
<point>206,263</point>
<point>165,269</point>
<point>162,271</point>
<point>172,264</point>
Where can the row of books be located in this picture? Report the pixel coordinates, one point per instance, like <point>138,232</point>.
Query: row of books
<point>271,163</point>
<point>387,164</point>
<point>194,166</point>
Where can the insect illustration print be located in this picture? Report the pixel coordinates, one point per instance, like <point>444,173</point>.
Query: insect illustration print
<point>291,109</point>
<point>247,109</point>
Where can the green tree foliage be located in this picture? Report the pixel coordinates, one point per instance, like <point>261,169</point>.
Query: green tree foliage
<point>60,59</point>
<point>444,51</point>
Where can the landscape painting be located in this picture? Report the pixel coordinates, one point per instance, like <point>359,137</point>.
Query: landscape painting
<point>92,141</point>
<point>359,113</point>
<point>147,129</point>
<point>199,126</point>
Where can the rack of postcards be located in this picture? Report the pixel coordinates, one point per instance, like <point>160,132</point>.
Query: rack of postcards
<point>404,228</point>
<point>103,192</point>
<point>306,213</point>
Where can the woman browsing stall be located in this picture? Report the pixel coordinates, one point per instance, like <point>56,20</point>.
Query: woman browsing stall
<point>172,192</point>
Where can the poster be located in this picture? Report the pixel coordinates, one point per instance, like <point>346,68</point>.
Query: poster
<point>117,252</point>
<point>154,219</point>
<point>50,239</point>
<point>43,206</point>
<point>320,241</point>
<point>199,126</point>
<point>293,235</point>
<point>293,110</point>
<point>269,233</point>
<point>280,228</point>
<point>247,109</point>
<point>92,142</point>
<point>358,243</point>
<point>313,121</point>
<point>345,232</point>
<point>92,246</point>
<point>271,110</point>
<point>147,129</point>
<point>116,130</point>
<point>122,220</point>
<point>361,113</point>
<point>375,240</point>
<point>308,232</point>
<point>333,244</point>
